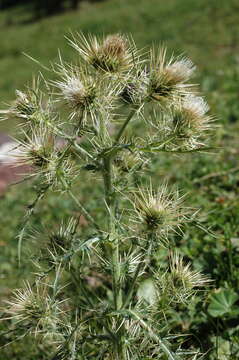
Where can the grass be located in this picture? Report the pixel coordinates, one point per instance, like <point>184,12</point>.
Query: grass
<point>208,32</point>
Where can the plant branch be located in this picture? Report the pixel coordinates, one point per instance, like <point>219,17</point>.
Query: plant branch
<point>121,130</point>
<point>84,211</point>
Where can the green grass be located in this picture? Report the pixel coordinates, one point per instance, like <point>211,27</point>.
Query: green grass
<point>208,32</point>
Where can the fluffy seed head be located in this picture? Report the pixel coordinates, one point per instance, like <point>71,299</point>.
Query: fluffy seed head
<point>180,70</point>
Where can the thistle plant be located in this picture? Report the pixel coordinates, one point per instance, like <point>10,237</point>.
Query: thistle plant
<point>112,112</point>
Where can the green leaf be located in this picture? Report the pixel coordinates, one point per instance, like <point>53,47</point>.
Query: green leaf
<point>221,302</point>
<point>223,347</point>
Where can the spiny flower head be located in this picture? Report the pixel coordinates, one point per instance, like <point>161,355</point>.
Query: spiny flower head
<point>129,264</point>
<point>35,310</point>
<point>167,79</point>
<point>29,105</point>
<point>54,244</point>
<point>24,105</point>
<point>181,282</point>
<point>128,162</point>
<point>88,95</point>
<point>159,212</point>
<point>37,150</point>
<point>40,151</point>
<point>190,119</point>
<point>112,54</point>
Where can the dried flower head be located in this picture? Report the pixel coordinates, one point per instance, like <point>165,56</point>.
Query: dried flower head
<point>113,54</point>
<point>167,79</point>
<point>159,212</point>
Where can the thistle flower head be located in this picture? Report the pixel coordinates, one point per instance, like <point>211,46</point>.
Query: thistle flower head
<point>167,78</point>
<point>128,162</point>
<point>159,212</point>
<point>77,89</point>
<point>129,264</point>
<point>113,54</point>
<point>40,151</point>
<point>182,281</point>
<point>37,150</point>
<point>88,96</point>
<point>28,105</point>
<point>34,310</point>
<point>24,105</point>
<point>54,244</point>
<point>190,119</point>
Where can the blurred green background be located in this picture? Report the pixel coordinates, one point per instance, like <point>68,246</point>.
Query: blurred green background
<point>205,30</point>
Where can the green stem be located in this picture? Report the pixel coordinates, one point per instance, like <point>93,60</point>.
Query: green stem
<point>121,130</point>
<point>110,201</point>
<point>116,275</point>
<point>115,256</point>
<point>132,286</point>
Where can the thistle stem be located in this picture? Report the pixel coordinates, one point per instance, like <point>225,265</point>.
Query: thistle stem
<point>110,202</point>
<point>115,258</point>
<point>121,130</point>
<point>116,274</point>
<point>84,211</point>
